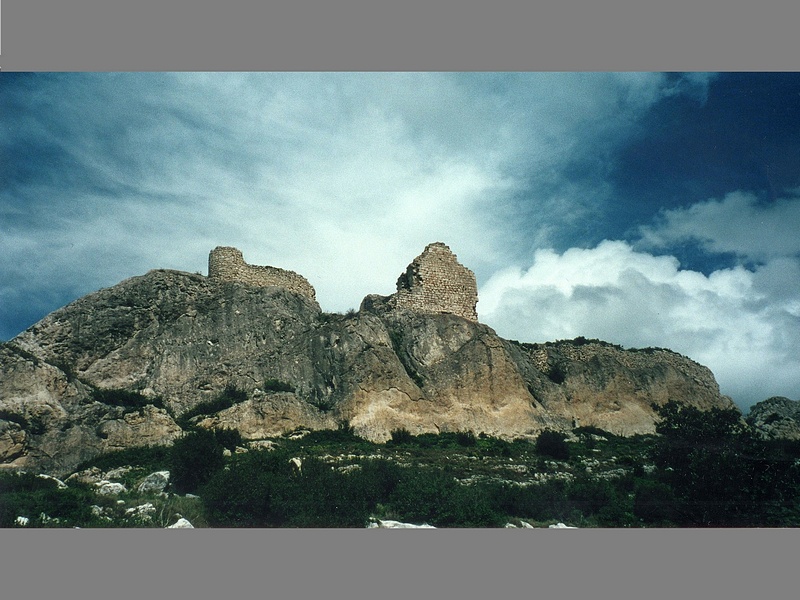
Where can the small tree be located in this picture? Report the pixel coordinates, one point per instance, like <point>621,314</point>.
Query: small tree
<point>194,458</point>
<point>551,443</point>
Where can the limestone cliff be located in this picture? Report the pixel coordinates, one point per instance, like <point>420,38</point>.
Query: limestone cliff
<point>776,418</point>
<point>179,339</point>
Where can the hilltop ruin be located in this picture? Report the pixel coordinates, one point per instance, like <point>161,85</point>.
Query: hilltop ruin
<point>434,282</point>
<point>226,263</point>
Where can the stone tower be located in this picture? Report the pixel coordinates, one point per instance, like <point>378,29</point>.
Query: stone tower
<point>435,282</point>
<point>226,263</point>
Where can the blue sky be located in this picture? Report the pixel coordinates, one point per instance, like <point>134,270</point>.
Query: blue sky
<point>646,209</point>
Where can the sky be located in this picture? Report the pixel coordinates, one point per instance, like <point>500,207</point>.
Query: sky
<point>644,209</point>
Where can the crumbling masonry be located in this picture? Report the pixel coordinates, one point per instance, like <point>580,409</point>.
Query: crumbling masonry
<point>435,282</point>
<point>226,263</point>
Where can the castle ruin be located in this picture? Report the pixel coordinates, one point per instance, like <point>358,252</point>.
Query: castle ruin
<point>435,282</point>
<point>226,263</point>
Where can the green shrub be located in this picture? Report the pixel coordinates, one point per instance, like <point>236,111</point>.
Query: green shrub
<point>275,385</point>
<point>262,489</point>
<point>194,459</point>
<point>228,397</point>
<point>241,496</point>
<point>41,501</point>
<point>152,458</point>
<point>493,446</point>
<point>654,502</point>
<point>125,398</point>
<point>400,437</point>
<point>541,502</point>
<point>557,374</point>
<point>229,438</point>
<point>435,497</point>
<point>466,439</point>
<point>551,443</point>
<point>343,434</point>
<point>14,418</point>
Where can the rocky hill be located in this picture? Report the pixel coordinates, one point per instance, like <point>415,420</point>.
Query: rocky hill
<point>776,418</point>
<point>122,366</point>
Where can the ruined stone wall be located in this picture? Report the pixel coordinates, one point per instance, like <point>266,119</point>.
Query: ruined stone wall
<point>226,263</point>
<point>436,282</point>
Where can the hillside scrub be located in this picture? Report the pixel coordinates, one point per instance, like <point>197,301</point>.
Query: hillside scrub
<point>694,473</point>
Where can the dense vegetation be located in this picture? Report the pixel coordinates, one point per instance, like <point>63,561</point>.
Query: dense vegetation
<point>125,398</point>
<point>228,397</point>
<point>703,469</point>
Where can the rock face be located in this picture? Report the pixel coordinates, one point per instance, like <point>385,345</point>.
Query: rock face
<point>179,340</point>
<point>776,417</point>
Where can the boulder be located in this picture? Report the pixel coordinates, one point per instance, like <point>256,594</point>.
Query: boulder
<point>388,524</point>
<point>110,488</point>
<point>181,524</point>
<point>776,418</point>
<point>154,483</point>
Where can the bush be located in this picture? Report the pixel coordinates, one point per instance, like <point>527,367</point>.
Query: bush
<point>654,502</point>
<point>152,458</point>
<point>241,496</point>
<point>228,397</point>
<point>493,446</point>
<point>194,459</point>
<point>434,496</point>
<point>6,415</point>
<point>40,500</point>
<point>275,385</point>
<point>125,398</point>
<point>400,437</point>
<point>541,502</point>
<point>551,443</point>
<point>229,438</point>
<point>261,489</point>
<point>466,439</point>
<point>557,374</point>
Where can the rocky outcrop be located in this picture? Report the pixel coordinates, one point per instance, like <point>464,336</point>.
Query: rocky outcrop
<point>776,418</point>
<point>178,341</point>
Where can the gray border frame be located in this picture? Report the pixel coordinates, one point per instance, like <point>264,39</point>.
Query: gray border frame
<point>508,35</point>
<point>167,35</point>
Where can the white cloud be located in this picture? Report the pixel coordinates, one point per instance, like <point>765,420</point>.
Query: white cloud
<point>738,224</point>
<point>732,321</point>
<point>341,177</point>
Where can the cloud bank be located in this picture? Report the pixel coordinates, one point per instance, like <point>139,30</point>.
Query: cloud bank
<point>742,322</point>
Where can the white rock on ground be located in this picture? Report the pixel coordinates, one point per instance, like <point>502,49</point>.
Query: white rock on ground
<point>560,526</point>
<point>108,488</point>
<point>141,511</point>
<point>397,525</point>
<point>181,524</point>
<point>522,525</point>
<point>118,473</point>
<point>60,484</point>
<point>155,482</point>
